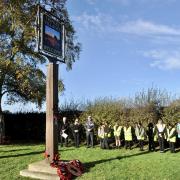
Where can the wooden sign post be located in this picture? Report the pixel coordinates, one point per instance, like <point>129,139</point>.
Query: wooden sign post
<point>51,44</point>
<point>51,111</point>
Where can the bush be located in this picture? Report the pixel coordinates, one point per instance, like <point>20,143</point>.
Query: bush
<point>146,106</point>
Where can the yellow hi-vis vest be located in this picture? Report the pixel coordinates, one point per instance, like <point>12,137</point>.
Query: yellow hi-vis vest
<point>108,134</point>
<point>155,136</point>
<point>127,134</point>
<point>100,132</point>
<point>140,135</point>
<point>117,130</point>
<point>169,133</point>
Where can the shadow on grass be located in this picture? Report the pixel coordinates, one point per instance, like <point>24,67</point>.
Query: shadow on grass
<point>89,165</point>
<point>13,150</point>
<point>177,150</point>
<point>24,154</point>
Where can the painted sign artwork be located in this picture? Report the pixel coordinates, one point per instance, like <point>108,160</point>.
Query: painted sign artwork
<point>52,36</point>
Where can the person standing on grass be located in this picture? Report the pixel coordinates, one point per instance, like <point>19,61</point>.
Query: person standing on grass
<point>140,134</point>
<point>150,134</point>
<point>128,135</point>
<point>76,131</point>
<point>107,134</point>
<point>117,134</point>
<point>64,132</point>
<point>101,134</point>
<point>89,126</point>
<point>161,131</point>
<point>178,133</point>
<point>171,137</point>
<point>1,129</point>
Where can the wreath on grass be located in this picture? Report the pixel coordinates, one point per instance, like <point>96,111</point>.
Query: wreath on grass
<point>66,170</point>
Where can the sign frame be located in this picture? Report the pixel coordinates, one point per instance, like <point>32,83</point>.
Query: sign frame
<point>56,25</point>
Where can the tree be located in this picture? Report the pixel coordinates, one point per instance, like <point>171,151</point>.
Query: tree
<point>171,114</point>
<point>21,78</point>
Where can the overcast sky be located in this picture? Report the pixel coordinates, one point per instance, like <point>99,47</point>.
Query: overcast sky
<point>127,45</point>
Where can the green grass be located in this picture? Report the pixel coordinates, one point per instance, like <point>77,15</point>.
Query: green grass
<point>99,164</point>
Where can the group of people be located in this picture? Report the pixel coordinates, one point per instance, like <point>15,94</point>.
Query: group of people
<point>126,135</point>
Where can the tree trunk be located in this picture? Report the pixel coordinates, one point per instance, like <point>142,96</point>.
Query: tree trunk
<point>2,124</point>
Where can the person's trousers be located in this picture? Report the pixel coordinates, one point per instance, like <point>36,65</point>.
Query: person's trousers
<point>128,144</point>
<point>161,143</point>
<point>172,147</point>
<point>76,139</point>
<point>141,144</point>
<point>105,143</point>
<point>90,138</point>
<point>101,143</point>
<point>64,140</point>
<point>1,138</point>
<point>151,144</point>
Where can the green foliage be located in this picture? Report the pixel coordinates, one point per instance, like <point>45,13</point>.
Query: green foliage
<point>104,109</point>
<point>171,114</point>
<point>20,76</point>
<point>146,106</point>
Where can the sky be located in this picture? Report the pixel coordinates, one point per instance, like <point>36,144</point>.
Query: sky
<point>127,46</point>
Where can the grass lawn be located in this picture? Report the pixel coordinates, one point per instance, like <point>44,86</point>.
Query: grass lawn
<point>99,164</point>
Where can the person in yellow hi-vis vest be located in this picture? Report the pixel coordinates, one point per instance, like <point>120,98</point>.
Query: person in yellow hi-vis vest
<point>128,135</point>
<point>171,137</point>
<point>140,134</point>
<point>117,134</point>
<point>101,134</point>
<point>107,135</point>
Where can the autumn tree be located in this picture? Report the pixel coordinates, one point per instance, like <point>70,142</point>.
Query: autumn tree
<point>21,78</point>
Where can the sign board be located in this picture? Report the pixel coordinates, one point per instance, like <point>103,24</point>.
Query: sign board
<point>51,35</point>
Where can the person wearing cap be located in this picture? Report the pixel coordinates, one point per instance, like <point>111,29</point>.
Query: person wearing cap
<point>76,132</point>
<point>64,132</point>
<point>89,126</point>
<point>161,131</point>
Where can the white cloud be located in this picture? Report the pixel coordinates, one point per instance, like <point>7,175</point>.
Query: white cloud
<point>166,60</point>
<point>159,34</point>
<point>102,23</point>
<point>131,2</point>
<point>91,2</point>
<point>146,28</point>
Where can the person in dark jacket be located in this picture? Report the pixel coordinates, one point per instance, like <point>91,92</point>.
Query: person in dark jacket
<point>76,132</point>
<point>89,126</point>
<point>2,129</point>
<point>64,132</point>
<point>150,134</point>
